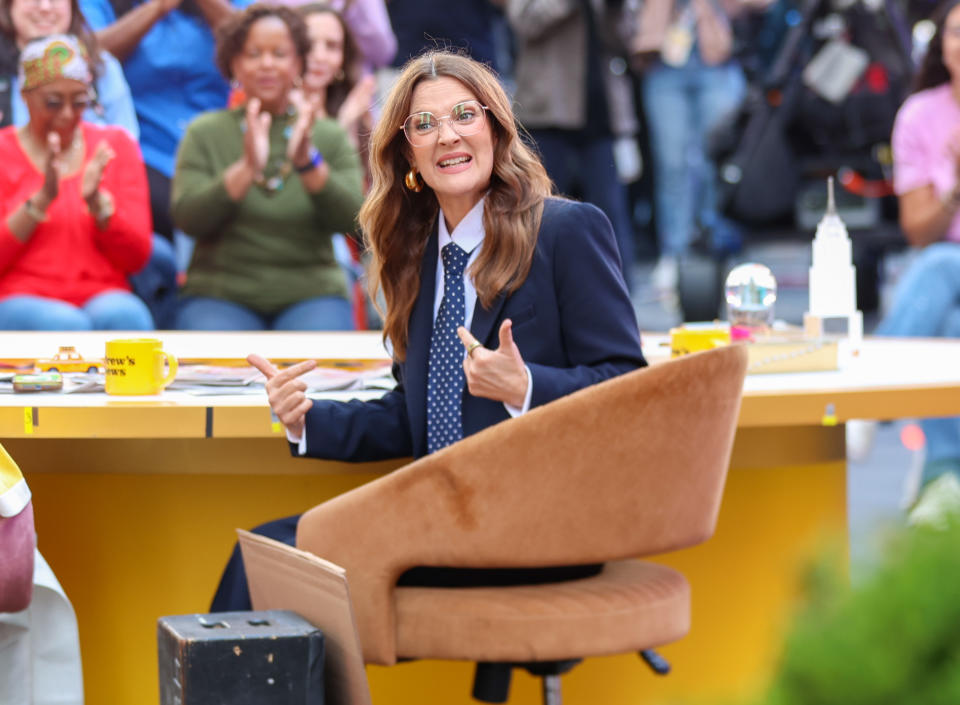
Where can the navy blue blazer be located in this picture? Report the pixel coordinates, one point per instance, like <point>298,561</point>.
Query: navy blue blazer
<point>572,322</point>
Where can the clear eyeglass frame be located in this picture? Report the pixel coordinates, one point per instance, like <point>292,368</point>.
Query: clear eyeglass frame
<point>56,102</point>
<point>55,105</point>
<point>423,128</point>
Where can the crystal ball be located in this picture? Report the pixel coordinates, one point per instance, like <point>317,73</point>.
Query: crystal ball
<point>751,292</point>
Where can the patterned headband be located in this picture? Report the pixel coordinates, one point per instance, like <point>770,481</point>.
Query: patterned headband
<point>44,60</point>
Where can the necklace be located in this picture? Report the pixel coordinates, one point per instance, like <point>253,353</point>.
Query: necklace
<point>278,167</point>
<point>274,175</point>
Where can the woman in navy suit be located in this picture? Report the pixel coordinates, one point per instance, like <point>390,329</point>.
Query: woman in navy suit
<point>498,296</point>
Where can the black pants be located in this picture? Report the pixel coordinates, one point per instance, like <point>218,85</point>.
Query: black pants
<point>159,185</point>
<point>233,594</point>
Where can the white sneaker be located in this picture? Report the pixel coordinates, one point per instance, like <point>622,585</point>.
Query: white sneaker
<point>665,274</point>
<point>860,436</point>
<point>939,503</point>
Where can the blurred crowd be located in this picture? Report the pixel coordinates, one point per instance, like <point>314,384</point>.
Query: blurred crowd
<point>687,122</point>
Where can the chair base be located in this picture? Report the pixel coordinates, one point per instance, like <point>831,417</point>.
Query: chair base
<point>552,695</point>
<point>658,664</point>
<point>491,681</point>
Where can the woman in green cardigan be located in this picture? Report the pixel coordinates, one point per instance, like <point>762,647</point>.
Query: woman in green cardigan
<point>262,188</point>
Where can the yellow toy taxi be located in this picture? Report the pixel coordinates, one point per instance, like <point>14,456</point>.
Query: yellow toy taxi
<point>68,360</point>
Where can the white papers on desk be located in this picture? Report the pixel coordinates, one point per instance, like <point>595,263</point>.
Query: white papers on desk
<point>190,376</point>
<point>209,380</point>
<point>328,379</point>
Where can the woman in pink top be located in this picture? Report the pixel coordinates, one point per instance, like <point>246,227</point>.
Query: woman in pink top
<point>74,214</point>
<point>926,155</point>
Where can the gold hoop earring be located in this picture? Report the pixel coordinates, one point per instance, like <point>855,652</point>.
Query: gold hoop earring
<point>412,181</point>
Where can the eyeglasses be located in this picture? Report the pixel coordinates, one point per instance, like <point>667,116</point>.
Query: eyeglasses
<point>466,118</point>
<point>54,103</point>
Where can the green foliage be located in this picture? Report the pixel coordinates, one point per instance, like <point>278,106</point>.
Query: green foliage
<point>895,640</point>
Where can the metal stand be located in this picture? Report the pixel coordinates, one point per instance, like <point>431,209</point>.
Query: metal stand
<point>551,691</point>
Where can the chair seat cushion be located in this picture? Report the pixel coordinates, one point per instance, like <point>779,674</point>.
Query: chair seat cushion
<point>631,605</point>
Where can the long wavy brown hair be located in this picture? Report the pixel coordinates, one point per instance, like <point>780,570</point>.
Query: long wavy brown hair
<point>397,222</point>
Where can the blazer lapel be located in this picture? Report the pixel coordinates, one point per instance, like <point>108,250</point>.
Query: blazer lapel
<point>483,319</point>
<point>418,347</point>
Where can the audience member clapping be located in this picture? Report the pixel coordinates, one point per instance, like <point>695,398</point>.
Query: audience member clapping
<point>333,79</point>
<point>262,187</point>
<point>167,51</point>
<point>73,203</point>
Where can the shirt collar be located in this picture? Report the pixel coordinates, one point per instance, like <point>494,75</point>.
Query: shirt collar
<point>469,232</point>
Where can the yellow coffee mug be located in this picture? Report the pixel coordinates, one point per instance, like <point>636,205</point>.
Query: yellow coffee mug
<point>135,366</point>
<point>688,339</point>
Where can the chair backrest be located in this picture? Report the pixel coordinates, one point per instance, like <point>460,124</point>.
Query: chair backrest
<point>630,467</point>
<point>318,591</point>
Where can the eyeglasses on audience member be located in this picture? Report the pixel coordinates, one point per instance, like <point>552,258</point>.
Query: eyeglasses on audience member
<point>54,102</point>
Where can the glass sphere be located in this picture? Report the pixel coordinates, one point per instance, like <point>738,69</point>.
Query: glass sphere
<point>751,292</point>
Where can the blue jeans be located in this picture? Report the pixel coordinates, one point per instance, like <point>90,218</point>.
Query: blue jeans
<point>574,161</point>
<point>321,313</point>
<point>682,105</point>
<point>156,283</point>
<point>927,305</point>
<point>111,310</point>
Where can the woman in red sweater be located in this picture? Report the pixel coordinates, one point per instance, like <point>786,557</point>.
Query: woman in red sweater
<point>74,206</point>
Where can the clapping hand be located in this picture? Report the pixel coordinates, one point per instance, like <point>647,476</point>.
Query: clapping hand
<point>358,101</point>
<point>256,139</point>
<point>286,392</point>
<point>298,148</point>
<point>53,169</point>
<point>93,171</point>
<point>495,374</point>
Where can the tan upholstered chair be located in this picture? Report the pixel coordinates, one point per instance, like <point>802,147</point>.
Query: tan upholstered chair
<point>631,467</point>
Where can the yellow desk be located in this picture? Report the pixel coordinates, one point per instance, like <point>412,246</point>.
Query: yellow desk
<point>136,500</point>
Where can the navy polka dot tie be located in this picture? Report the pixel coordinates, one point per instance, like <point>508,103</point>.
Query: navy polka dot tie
<point>445,378</point>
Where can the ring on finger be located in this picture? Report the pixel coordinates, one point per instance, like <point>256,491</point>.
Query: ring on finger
<point>473,346</point>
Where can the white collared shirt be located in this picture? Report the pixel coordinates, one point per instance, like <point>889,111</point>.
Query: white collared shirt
<point>468,235</point>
